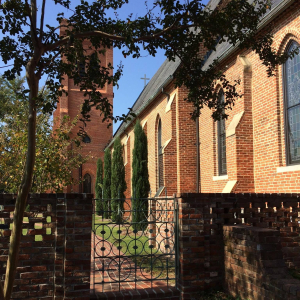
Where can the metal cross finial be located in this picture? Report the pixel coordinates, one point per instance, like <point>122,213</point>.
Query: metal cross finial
<point>145,80</point>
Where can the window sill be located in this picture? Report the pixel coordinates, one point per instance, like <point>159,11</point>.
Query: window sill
<point>229,187</point>
<point>288,169</point>
<point>222,177</point>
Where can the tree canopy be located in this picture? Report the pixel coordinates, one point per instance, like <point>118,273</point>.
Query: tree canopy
<point>181,28</point>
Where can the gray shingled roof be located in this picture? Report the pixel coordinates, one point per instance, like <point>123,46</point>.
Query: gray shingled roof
<point>168,68</point>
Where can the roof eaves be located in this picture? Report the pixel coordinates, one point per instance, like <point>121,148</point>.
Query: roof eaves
<point>265,21</point>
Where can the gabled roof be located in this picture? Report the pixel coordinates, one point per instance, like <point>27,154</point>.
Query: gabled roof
<point>165,73</point>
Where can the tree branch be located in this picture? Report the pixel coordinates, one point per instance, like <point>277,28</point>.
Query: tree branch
<point>54,29</point>
<point>86,34</point>
<point>6,66</point>
<point>32,17</point>
<point>42,20</point>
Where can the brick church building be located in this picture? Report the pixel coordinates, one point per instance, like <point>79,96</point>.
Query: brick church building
<point>257,149</point>
<point>98,134</point>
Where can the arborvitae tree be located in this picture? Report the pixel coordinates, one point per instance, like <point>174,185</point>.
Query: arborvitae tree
<point>107,183</point>
<point>140,178</point>
<point>98,187</point>
<point>118,183</point>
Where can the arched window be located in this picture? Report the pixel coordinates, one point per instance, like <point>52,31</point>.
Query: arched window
<point>87,183</point>
<point>160,163</point>
<point>292,106</point>
<point>222,165</point>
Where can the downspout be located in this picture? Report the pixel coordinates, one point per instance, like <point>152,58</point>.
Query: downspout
<point>198,190</point>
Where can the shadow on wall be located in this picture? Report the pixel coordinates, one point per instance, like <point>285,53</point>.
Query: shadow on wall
<point>254,265</point>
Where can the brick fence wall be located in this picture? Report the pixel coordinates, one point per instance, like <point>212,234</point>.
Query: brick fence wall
<point>201,220</point>
<point>54,260</point>
<point>254,265</point>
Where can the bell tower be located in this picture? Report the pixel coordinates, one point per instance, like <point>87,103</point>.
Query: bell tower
<point>98,134</point>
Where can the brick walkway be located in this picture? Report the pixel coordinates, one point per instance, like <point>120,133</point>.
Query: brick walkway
<point>135,284</point>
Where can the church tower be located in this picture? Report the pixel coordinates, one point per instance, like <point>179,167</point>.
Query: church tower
<point>98,134</point>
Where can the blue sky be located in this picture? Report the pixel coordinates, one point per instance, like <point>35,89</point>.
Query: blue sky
<point>130,85</point>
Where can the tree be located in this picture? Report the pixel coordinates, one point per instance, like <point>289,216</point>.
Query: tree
<point>118,183</point>
<point>99,186</point>
<point>183,29</point>
<point>140,178</point>
<point>56,155</point>
<point>107,183</point>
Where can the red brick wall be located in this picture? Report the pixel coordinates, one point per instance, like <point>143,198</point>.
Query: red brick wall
<point>257,148</point>
<point>58,266</point>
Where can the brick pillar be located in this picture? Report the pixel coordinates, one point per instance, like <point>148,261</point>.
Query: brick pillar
<point>186,145</point>
<point>200,246</point>
<point>73,246</point>
<point>244,136</point>
<point>191,248</point>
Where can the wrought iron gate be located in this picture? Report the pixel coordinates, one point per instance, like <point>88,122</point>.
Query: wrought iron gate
<point>134,243</point>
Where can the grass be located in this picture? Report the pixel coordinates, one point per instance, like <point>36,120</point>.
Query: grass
<point>135,244</point>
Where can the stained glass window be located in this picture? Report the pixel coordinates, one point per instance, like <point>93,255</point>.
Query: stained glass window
<point>292,92</point>
<point>222,142</point>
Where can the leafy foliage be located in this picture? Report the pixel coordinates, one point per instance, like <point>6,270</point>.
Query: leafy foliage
<point>107,183</point>
<point>118,183</point>
<point>55,157</point>
<point>178,27</point>
<point>98,186</point>
<point>140,178</point>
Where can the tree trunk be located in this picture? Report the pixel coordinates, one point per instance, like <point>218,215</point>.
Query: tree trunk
<point>25,186</point>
